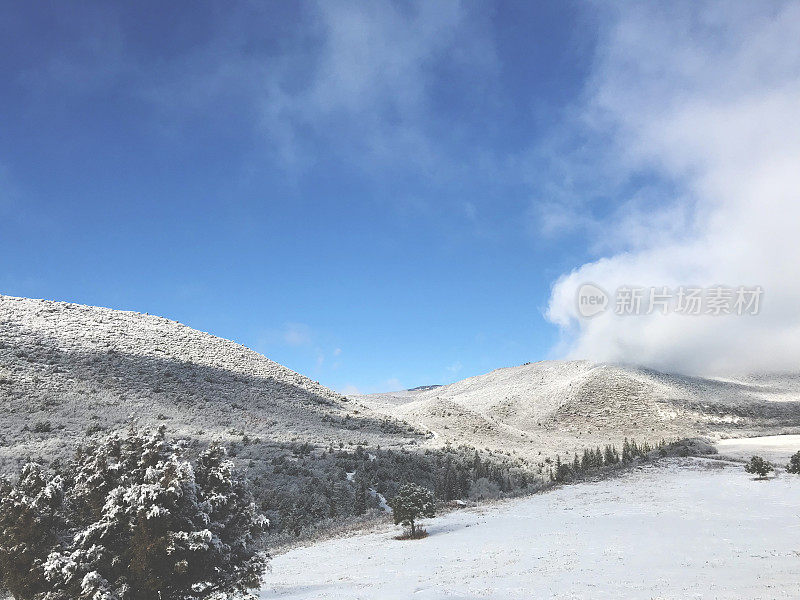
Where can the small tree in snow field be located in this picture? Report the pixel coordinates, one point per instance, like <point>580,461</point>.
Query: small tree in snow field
<point>412,503</point>
<point>759,466</point>
<point>794,464</point>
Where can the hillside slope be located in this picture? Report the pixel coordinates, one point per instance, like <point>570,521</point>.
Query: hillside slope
<point>66,369</point>
<point>566,405</point>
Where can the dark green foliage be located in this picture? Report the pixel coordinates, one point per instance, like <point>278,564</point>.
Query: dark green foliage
<point>758,466</point>
<point>794,464</point>
<point>411,503</point>
<point>595,459</point>
<point>564,471</point>
<point>631,450</point>
<point>299,489</point>
<point>360,500</point>
<point>128,519</point>
<point>30,516</point>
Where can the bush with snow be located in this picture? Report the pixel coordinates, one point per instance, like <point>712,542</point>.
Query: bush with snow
<point>758,466</point>
<point>484,489</point>
<point>411,503</point>
<point>794,464</point>
<point>130,519</point>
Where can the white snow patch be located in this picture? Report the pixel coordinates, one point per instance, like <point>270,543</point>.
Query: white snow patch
<point>776,448</point>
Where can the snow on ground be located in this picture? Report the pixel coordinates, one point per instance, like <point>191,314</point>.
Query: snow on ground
<point>688,528</point>
<point>776,448</point>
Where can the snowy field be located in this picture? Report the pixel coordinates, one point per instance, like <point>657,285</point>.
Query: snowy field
<point>776,448</point>
<point>689,528</point>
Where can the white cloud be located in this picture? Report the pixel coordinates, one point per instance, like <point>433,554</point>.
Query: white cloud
<point>708,98</point>
<point>355,76</point>
<point>455,368</point>
<point>393,384</point>
<point>350,390</point>
<point>370,91</point>
<point>296,334</point>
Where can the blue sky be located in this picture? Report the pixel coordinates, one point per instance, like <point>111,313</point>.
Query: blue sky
<point>376,194</point>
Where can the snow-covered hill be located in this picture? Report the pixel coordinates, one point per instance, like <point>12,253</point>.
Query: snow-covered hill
<point>557,406</point>
<point>66,369</point>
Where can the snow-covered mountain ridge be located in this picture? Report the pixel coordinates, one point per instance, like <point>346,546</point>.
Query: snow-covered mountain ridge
<point>67,369</point>
<point>567,405</point>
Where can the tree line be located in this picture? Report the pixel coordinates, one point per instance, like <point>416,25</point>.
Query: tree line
<point>596,459</point>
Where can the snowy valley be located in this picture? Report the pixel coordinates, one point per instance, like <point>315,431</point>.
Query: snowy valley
<point>323,465</point>
<point>683,528</point>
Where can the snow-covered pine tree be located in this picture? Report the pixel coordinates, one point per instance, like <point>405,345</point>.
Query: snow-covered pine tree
<point>586,460</point>
<point>411,503</point>
<point>30,516</point>
<point>635,450</point>
<point>139,522</point>
<point>794,464</point>
<point>608,455</point>
<point>758,466</point>
<point>360,500</point>
<point>627,455</point>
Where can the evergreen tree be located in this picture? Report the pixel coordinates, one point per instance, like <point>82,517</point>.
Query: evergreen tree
<point>333,498</point>
<point>167,530</point>
<point>794,464</point>
<point>627,456</point>
<point>634,449</point>
<point>411,503</point>
<point>598,457</point>
<point>586,461</point>
<point>610,455</point>
<point>450,483</point>
<point>759,466</point>
<point>29,521</point>
<point>477,467</point>
<point>360,503</point>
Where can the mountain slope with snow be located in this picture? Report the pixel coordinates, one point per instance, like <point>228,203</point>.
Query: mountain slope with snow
<point>566,405</point>
<point>68,369</point>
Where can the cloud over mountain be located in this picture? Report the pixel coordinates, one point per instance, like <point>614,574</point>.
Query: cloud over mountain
<point>705,100</point>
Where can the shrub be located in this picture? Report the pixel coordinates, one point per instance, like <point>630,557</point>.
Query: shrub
<point>759,466</point>
<point>411,503</point>
<point>42,427</point>
<point>94,428</point>
<point>794,464</point>
<point>484,489</point>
